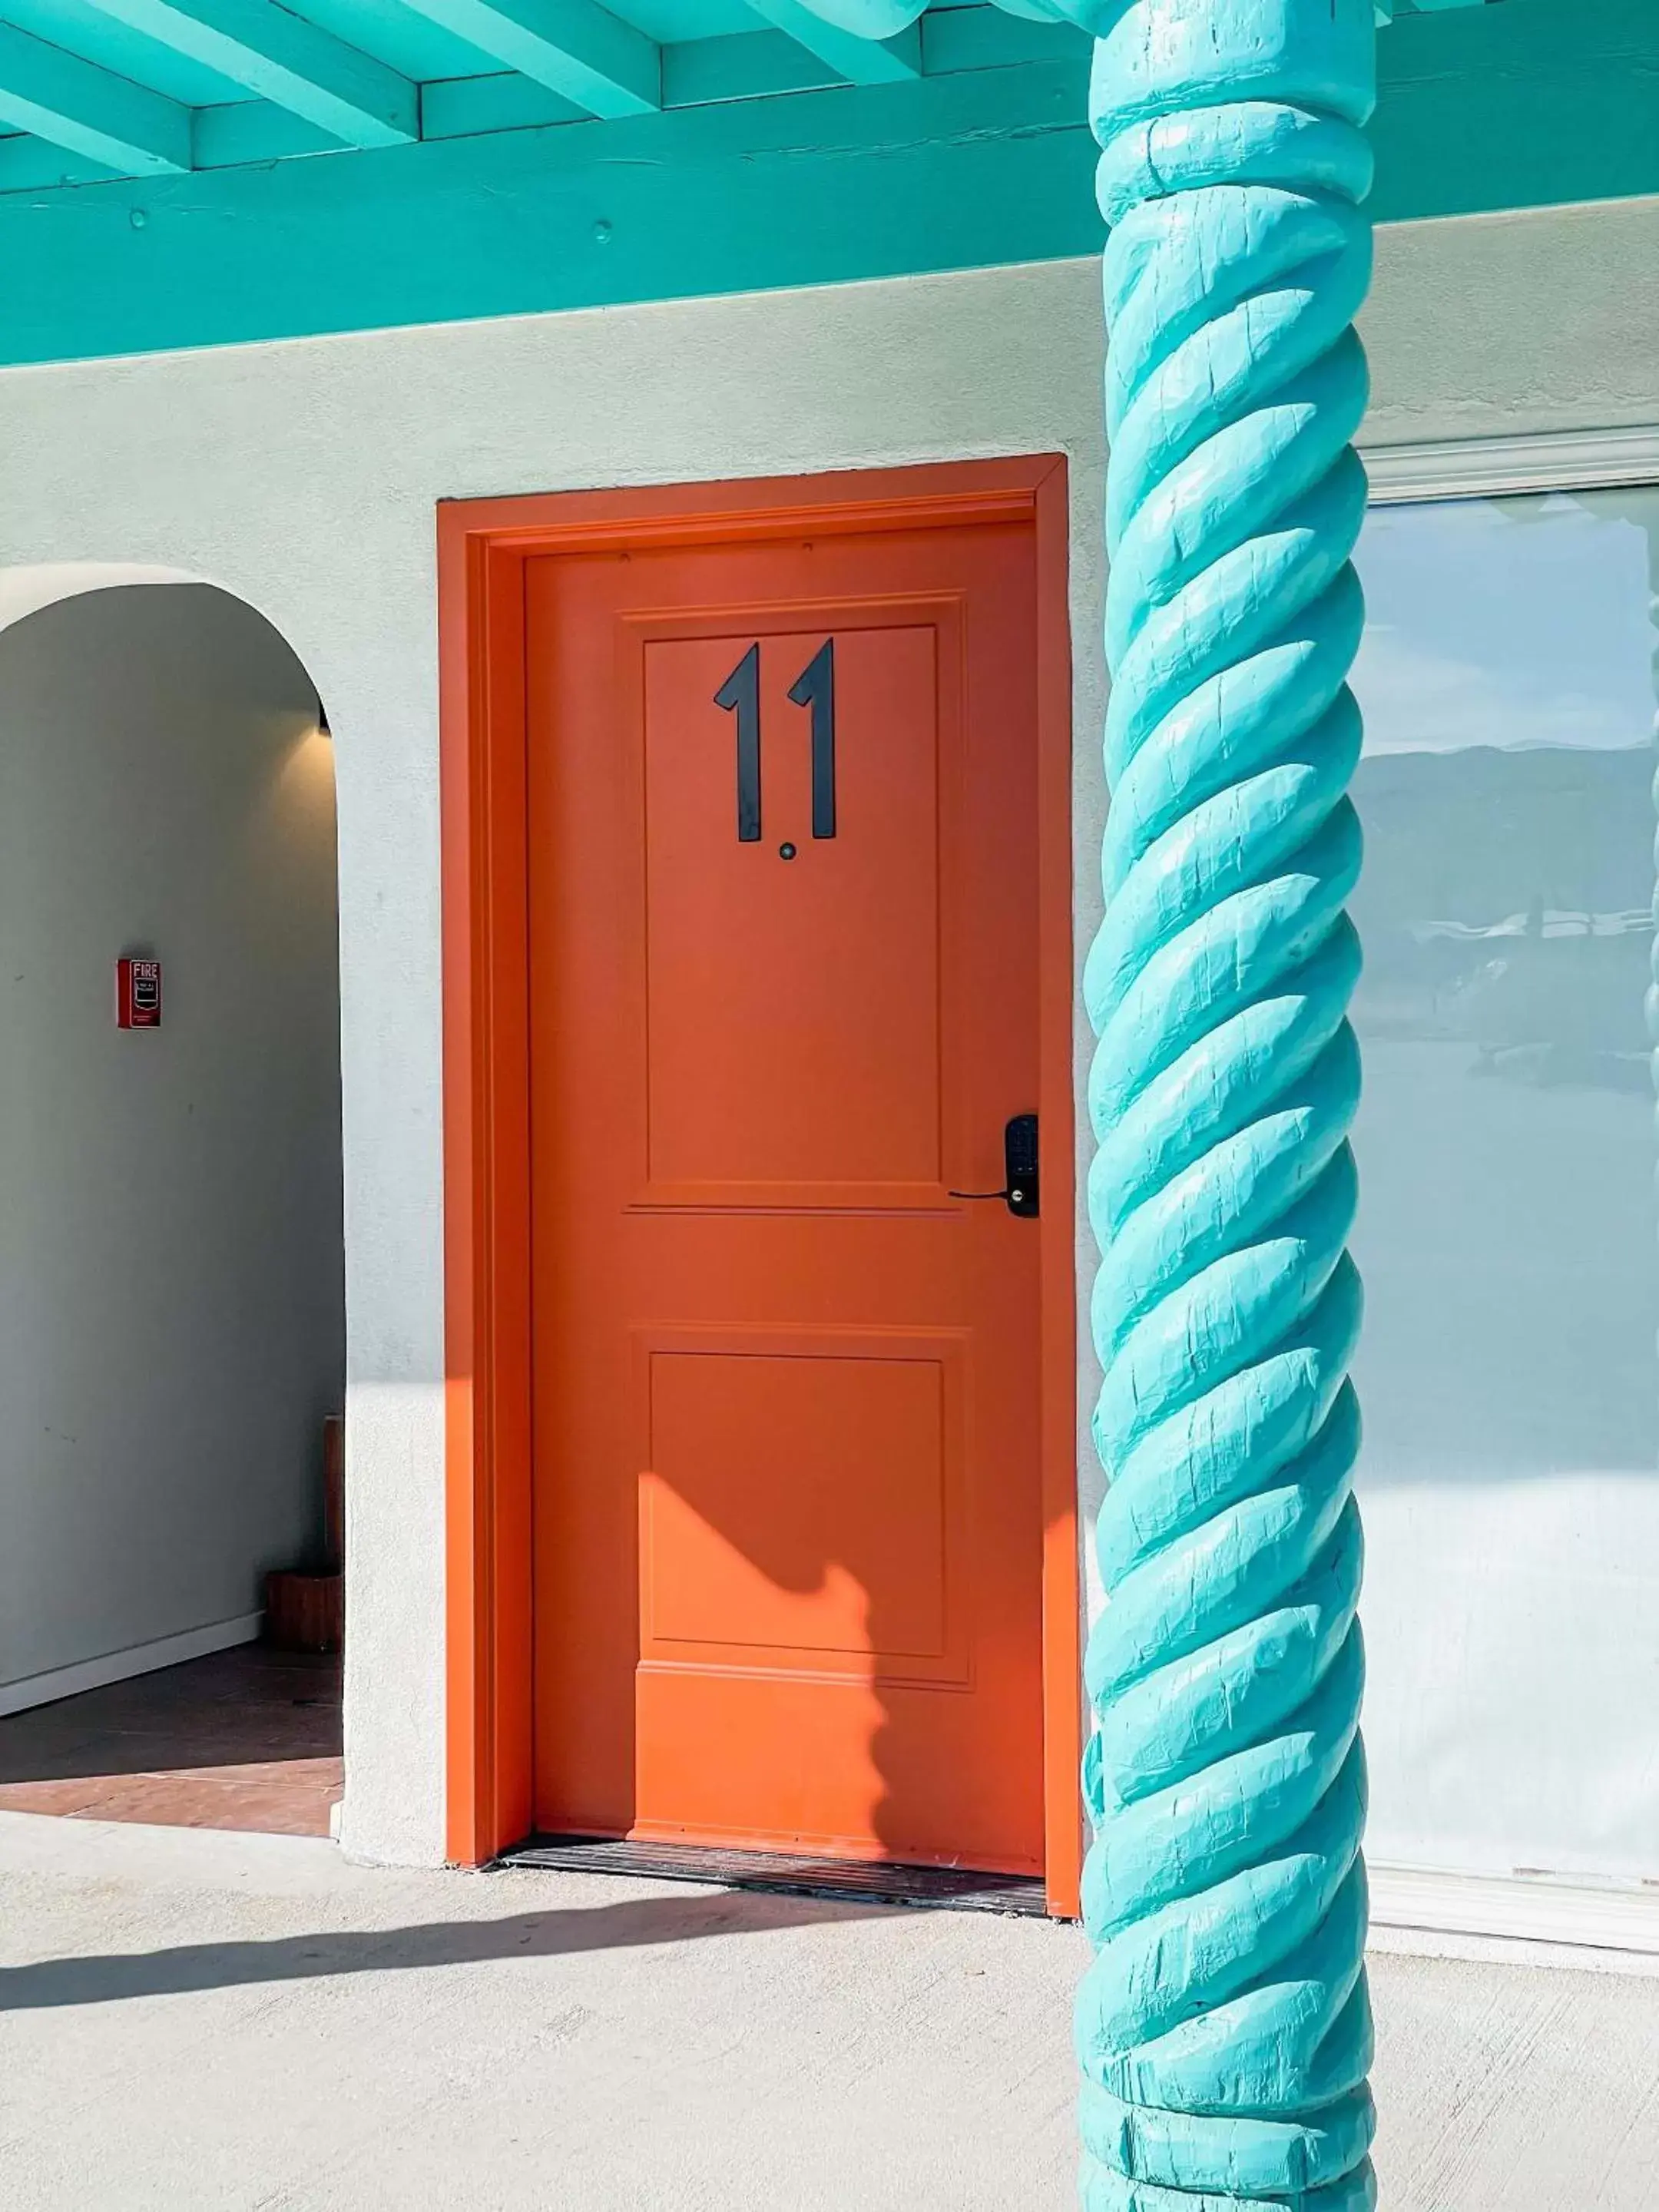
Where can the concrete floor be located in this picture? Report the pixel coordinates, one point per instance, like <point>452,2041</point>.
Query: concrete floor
<point>244,2023</point>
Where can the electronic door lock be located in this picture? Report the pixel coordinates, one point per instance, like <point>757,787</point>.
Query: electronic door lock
<point>1021,1187</point>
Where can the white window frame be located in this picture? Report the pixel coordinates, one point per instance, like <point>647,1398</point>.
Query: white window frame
<point>1488,468</point>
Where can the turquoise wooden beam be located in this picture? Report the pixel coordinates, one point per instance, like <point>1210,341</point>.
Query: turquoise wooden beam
<point>286,60</point>
<point>860,60</point>
<point>90,111</point>
<point>1223,2026</point>
<point>575,47</point>
<point>978,166</point>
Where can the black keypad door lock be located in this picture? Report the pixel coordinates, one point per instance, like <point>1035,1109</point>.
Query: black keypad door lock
<point>1021,1189</point>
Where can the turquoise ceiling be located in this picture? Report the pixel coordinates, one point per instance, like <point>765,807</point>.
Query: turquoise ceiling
<point>92,89</point>
<point>185,173</point>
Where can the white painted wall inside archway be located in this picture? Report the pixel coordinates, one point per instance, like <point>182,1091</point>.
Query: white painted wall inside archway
<point>304,476</point>
<point>170,1268</point>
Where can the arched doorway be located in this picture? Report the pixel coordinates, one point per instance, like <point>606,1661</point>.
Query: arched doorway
<point>172,1256</point>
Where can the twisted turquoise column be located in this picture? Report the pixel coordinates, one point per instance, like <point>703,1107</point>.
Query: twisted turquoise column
<point>1223,2026</point>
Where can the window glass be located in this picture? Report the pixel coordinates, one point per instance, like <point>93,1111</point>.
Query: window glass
<point>1508,1227</point>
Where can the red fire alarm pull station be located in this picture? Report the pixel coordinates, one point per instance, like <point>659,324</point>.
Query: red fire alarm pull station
<point>138,995</point>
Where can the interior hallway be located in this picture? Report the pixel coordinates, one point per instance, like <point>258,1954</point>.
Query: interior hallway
<point>247,1738</point>
<point>234,2023</point>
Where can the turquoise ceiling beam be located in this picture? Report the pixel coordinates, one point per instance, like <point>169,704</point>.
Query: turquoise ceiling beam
<point>860,60</point>
<point>745,66</point>
<point>573,48</point>
<point>981,164</point>
<point>88,110</point>
<point>282,59</point>
<point>814,187</point>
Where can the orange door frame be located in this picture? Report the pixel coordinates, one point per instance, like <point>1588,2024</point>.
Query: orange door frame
<point>483,547</point>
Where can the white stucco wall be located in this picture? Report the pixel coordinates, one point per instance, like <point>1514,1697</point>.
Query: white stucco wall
<point>170,1265</point>
<point>304,476</point>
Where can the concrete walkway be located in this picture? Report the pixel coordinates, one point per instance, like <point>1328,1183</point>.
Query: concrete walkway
<point>220,2023</point>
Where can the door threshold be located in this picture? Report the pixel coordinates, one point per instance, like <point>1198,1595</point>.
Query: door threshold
<point>960,1889</point>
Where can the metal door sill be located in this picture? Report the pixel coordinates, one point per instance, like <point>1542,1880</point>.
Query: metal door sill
<point>958,1889</point>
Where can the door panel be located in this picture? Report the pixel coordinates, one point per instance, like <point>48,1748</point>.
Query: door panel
<point>833,1450</point>
<point>792,1007</point>
<point>782,918</point>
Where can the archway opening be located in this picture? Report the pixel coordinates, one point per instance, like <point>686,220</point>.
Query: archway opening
<point>172,1258</point>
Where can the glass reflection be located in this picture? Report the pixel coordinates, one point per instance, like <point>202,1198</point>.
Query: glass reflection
<point>1507,1234</point>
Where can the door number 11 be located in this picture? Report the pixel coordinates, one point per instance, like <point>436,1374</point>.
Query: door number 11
<point>814,688</point>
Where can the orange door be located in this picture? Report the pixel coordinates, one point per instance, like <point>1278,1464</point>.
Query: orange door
<point>782,806</point>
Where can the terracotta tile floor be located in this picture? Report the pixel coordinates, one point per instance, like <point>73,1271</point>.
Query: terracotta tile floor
<point>248,1738</point>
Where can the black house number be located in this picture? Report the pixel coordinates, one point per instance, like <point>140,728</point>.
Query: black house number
<point>813,689</point>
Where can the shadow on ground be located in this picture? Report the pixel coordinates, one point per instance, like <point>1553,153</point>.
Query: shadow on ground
<point>628,1924</point>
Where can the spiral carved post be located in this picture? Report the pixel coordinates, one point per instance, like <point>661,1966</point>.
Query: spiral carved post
<point>1223,2026</point>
